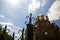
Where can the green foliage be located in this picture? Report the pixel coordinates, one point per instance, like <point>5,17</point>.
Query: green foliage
<point>0,28</point>
<point>4,36</point>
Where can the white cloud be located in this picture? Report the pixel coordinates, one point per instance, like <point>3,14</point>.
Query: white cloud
<point>14,3</point>
<point>5,18</point>
<point>54,11</point>
<point>33,6</point>
<point>2,16</point>
<point>6,23</point>
<point>43,3</point>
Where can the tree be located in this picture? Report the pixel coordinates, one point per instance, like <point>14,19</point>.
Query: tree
<point>0,27</point>
<point>4,36</point>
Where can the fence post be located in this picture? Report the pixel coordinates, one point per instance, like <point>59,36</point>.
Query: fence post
<point>22,34</point>
<point>29,29</point>
<point>5,29</point>
<point>13,38</point>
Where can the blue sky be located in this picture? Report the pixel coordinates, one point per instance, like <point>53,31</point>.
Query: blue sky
<point>14,12</point>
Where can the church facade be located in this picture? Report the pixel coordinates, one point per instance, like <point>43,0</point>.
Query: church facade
<point>43,29</point>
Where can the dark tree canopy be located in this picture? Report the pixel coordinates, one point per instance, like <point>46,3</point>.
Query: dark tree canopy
<point>4,36</point>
